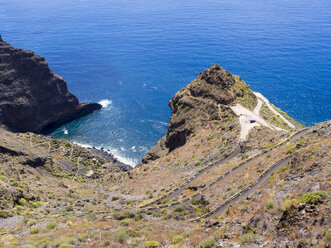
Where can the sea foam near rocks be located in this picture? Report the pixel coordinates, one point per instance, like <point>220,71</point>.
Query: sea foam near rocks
<point>114,152</point>
<point>105,103</point>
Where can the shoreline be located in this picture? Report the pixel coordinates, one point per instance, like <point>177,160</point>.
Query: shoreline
<point>106,154</point>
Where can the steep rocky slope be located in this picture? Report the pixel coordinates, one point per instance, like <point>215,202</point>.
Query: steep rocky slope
<point>29,162</point>
<point>203,125</point>
<point>200,186</point>
<point>32,97</point>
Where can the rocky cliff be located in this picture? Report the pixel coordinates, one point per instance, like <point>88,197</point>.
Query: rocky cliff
<point>203,119</point>
<point>32,97</point>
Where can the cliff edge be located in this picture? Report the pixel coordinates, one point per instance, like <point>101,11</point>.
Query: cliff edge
<point>33,98</point>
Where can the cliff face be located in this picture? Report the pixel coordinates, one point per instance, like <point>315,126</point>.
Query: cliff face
<point>32,97</point>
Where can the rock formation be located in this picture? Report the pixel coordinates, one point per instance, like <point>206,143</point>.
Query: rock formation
<point>33,98</point>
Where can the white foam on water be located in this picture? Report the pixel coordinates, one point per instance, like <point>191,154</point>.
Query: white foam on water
<point>164,123</point>
<point>112,151</point>
<point>65,131</point>
<point>105,102</point>
<point>82,144</point>
<point>143,148</point>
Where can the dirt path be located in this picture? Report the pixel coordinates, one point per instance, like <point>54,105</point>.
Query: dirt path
<point>295,137</point>
<point>266,101</point>
<point>258,107</point>
<point>254,186</point>
<point>245,116</point>
<point>176,192</point>
<point>243,194</point>
<point>260,180</point>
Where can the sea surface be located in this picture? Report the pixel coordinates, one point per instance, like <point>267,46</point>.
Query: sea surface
<point>133,56</point>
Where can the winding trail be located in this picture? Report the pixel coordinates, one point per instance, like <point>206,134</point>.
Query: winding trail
<point>245,117</point>
<point>243,194</point>
<point>260,180</point>
<point>292,139</point>
<point>266,101</point>
<point>177,191</point>
<point>258,106</point>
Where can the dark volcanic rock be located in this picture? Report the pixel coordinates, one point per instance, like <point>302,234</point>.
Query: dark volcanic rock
<point>32,97</point>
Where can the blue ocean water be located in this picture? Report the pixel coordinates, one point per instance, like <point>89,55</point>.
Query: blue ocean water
<point>134,55</point>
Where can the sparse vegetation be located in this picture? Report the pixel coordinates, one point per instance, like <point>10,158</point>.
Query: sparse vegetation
<point>61,207</point>
<point>210,242</point>
<point>152,244</point>
<point>248,238</point>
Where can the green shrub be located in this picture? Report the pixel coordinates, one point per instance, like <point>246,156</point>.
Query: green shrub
<point>282,170</point>
<point>137,218</point>
<point>248,238</point>
<point>19,209</point>
<point>315,197</point>
<point>132,233</point>
<point>4,214</point>
<point>302,243</point>
<point>11,244</point>
<point>125,222</point>
<point>34,230</point>
<point>290,151</point>
<point>166,201</point>
<point>13,183</point>
<point>152,244</point>
<point>210,242</point>
<point>22,201</point>
<point>121,236</point>
<point>128,215</point>
<point>50,226</point>
<point>177,239</point>
<point>270,204</point>
<point>19,189</point>
<point>288,204</point>
<point>63,241</point>
<point>186,234</point>
<point>64,246</point>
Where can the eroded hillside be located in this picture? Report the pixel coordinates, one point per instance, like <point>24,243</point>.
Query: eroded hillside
<point>233,170</point>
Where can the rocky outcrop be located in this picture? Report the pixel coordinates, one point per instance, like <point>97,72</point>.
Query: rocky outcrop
<point>32,97</point>
<point>215,84</point>
<point>203,106</point>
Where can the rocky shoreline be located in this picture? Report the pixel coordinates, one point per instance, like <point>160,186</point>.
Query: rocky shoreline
<point>110,157</point>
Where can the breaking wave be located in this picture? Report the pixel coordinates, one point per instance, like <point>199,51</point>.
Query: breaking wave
<point>112,151</point>
<point>105,103</point>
